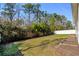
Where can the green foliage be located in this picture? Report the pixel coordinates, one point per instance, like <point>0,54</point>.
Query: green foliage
<point>1,50</point>
<point>69,25</point>
<point>41,27</point>
<point>59,27</point>
<point>11,32</point>
<point>35,27</point>
<point>9,50</point>
<point>19,22</point>
<point>44,28</point>
<point>52,24</point>
<point>37,12</point>
<point>44,23</point>
<point>28,8</point>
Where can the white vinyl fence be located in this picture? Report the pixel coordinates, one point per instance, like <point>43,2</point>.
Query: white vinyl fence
<point>65,32</point>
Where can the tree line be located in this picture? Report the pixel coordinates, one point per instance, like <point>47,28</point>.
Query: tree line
<point>23,21</point>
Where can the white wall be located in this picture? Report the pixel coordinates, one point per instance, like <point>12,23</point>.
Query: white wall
<point>65,32</point>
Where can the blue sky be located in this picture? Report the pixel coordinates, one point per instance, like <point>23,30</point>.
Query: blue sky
<point>59,8</point>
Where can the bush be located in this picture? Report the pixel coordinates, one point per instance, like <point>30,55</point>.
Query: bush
<point>59,27</point>
<point>11,32</point>
<point>44,28</point>
<point>41,28</point>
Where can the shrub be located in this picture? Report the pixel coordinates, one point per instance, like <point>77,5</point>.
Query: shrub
<point>11,32</point>
<point>59,27</point>
<point>44,28</point>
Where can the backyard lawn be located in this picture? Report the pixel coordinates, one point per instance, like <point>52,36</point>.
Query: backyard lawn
<point>43,45</point>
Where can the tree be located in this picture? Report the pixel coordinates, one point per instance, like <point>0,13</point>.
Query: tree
<point>44,16</point>
<point>69,25</point>
<point>44,28</point>
<point>37,12</point>
<point>28,8</point>
<point>64,21</point>
<point>19,22</point>
<point>52,23</point>
<point>9,10</point>
<point>18,9</point>
<point>59,27</point>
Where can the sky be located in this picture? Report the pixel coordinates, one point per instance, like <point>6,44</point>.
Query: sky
<point>59,8</point>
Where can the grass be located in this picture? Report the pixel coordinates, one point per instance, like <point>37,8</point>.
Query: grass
<point>41,45</point>
<point>8,50</point>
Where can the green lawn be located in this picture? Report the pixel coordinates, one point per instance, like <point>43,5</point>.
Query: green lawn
<point>8,50</point>
<point>41,45</point>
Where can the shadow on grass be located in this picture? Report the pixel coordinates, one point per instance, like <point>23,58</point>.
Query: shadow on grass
<point>10,50</point>
<point>20,39</point>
